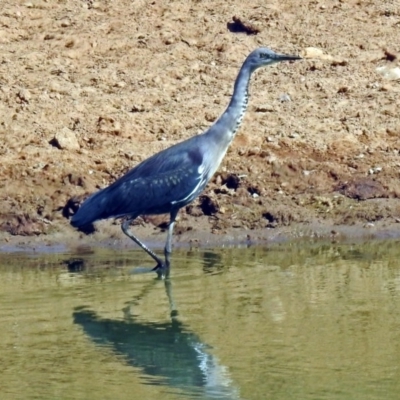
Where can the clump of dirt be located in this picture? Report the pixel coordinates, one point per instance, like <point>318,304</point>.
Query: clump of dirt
<point>239,26</point>
<point>363,189</point>
<point>89,89</point>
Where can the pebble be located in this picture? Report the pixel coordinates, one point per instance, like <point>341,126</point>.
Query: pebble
<point>315,53</point>
<point>24,95</point>
<point>284,97</point>
<point>374,170</point>
<point>272,159</point>
<point>120,84</point>
<point>65,139</point>
<point>264,108</point>
<point>389,73</point>
<point>65,22</point>
<point>58,87</point>
<point>254,151</point>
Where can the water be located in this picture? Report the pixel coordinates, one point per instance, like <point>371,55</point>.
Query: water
<point>288,322</point>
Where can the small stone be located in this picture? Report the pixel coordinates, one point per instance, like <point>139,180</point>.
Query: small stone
<point>264,108</point>
<point>58,87</point>
<point>284,97</point>
<point>389,73</point>
<point>271,159</point>
<point>65,22</point>
<point>315,53</point>
<point>374,170</point>
<point>65,139</point>
<point>373,85</point>
<point>253,151</point>
<point>24,95</point>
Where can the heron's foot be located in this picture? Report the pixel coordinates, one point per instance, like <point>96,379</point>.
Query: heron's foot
<point>162,270</point>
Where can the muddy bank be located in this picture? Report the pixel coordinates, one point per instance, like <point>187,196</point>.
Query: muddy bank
<point>110,236</point>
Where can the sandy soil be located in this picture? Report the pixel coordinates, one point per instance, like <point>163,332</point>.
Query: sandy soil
<point>90,88</point>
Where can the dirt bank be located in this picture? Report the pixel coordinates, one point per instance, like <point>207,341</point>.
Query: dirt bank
<point>90,88</point>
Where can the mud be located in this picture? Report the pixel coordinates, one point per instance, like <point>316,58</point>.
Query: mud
<point>90,88</point>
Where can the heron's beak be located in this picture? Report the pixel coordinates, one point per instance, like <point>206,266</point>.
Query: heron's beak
<point>284,57</point>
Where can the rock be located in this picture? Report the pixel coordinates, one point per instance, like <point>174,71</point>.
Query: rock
<point>389,73</point>
<point>284,97</point>
<point>315,53</point>
<point>264,108</point>
<point>65,139</point>
<point>65,22</point>
<point>24,95</point>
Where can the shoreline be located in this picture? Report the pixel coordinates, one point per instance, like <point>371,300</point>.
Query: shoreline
<point>76,243</point>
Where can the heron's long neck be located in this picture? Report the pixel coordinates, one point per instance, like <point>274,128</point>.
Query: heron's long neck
<point>225,128</point>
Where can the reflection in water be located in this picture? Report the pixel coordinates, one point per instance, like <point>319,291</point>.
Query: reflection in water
<point>165,351</point>
<point>291,322</point>
<point>212,262</point>
<point>74,264</point>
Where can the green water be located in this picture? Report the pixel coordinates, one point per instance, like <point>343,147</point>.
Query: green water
<point>287,322</point>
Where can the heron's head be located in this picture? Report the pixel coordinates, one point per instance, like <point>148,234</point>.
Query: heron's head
<point>263,56</point>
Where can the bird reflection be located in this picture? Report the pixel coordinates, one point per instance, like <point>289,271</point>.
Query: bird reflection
<point>75,265</point>
<point>212,263</point>
<point>167,352</point>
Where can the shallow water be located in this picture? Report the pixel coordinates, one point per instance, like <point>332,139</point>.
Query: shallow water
<point>289,322</point>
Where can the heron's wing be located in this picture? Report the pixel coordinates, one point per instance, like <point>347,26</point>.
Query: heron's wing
<point>169,179</point>
<point>184,155</point>
<point>159,184</point>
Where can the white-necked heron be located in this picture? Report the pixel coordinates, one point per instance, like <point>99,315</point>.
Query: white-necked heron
<point>172,178</point>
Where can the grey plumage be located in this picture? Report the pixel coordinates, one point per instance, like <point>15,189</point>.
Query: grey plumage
<point>172,178</point>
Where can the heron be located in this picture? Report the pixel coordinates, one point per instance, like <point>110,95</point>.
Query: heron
<point>174,177</point>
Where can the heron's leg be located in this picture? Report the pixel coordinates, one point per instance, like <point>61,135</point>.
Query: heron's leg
<point>168,244</point>
<point>172,307</point>
<point>125,229</point>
